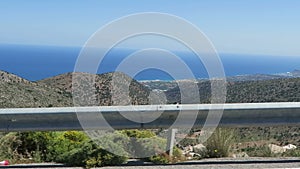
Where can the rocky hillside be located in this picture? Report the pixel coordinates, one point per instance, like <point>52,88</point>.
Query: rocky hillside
<point>279,90</point>
<point>102,88</point>
<point>17,92</point>
<point>11,78</point>
<point>57,91</point>
<point>120,89</point>
<point>276,90</point>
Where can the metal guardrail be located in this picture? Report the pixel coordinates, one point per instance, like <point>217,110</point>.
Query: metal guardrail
<point>234,115</point>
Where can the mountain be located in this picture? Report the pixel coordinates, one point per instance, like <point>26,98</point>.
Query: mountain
<point>159,84</point>
<point>17,92</point>
<point>275,90</point>
<point>124,90</point>
<point>57,91</point>
<point>256,77</point>
<point>11,78</point>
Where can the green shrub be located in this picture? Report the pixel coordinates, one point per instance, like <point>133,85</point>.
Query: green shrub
<point>164,158</point>
<point>9,144</point>
<point>146,147</point>
<point>63,143</point>
<point>160,159</point>
<point>219,143</point>
<point>292,153</point>
<point>75,149</point>
<point>71,148</point>
<point>34,144</point>
<point>115,142</point>
<point>91,155</point>
<point>24,146</point>
<point>260,151</point>
<point>143,143</point>
<point>177,155</point>
<point>188,141</point>
<point>138,133</point>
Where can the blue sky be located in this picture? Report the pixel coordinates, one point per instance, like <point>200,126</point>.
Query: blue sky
<point>270,27</point>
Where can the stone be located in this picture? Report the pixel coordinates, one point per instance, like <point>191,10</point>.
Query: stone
<point>290,147</point>
<point>240,155</point>
<point>199,148</point>
<point>276,149</point>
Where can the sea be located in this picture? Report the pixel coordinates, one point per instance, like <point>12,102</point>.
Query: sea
<point>38,62</point>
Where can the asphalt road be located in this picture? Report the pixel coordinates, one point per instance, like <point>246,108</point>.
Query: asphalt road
<point>226,163</point>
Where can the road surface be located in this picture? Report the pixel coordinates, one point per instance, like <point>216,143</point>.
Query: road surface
<point>226,163</point>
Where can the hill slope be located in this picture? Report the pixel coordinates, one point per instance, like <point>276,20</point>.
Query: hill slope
<point>56,91</point>
<point>276,90</point>
<point>103,88</point>
<point>17,92</point>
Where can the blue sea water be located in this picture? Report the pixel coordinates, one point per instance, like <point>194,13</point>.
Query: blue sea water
<point>39,62</point>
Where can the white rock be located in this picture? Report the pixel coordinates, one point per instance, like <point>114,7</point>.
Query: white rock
<point>290,147</point>
<point>199,148</point>
<point>240,155</point>
<point>276,149</point>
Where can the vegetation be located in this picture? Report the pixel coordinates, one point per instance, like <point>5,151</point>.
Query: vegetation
<point>76,149</point>
<point>260,151</point>
<point>255,140</point>
<point>277,90</point>
<point>103,85</point>
<point>17,92</point>
<point>220,142</point>
<point>189,141</point>
<point>71,148</point>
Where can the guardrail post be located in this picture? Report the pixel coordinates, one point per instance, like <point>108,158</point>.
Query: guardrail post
<point>171,141</point>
